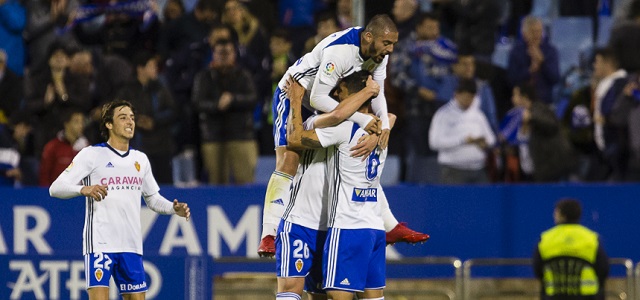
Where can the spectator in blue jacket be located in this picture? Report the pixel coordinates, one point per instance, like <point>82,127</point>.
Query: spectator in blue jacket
<point>13,18</point>
<point>533,60</point>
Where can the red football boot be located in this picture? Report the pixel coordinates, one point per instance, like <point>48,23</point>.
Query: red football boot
<point>402,233</point>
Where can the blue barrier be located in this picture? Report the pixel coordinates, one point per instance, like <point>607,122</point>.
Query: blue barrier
<point>41,248</point>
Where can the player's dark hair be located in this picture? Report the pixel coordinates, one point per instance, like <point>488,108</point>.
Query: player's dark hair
<point>107,115</point>
<point>466,86</point>
<point>380,24</point>
<point>356,81</point>
<point>570,209</point>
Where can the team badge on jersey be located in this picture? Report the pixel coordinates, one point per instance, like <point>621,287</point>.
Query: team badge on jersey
<point>299,265</point>
<point>69,167</point>
<point>137,165</point>
<point>98,274</point>
<point>329,68</point>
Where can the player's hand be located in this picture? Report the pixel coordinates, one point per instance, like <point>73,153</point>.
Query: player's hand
<point>293,89</point>
<point>383,141</point>
<point>374,126</point>
<point>97,192</point>
<point>366,144</point>
<point>182,209</point>
<point>373,86</point>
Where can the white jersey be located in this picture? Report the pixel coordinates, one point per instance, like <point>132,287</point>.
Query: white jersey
<point>353,183</point>
<point>113,224</point>
<point>334,58</point>
<point>308,203</point>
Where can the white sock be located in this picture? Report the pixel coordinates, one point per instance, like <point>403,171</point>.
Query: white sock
<point>288,296</point>
<point>275,201</point>
<point>388,218</point>
<point>381,298</point>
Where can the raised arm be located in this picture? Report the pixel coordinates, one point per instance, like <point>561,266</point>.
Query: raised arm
<point>297,137</point>
<point>348,106</point>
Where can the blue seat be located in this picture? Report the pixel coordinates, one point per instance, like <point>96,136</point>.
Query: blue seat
<point>571,36</point>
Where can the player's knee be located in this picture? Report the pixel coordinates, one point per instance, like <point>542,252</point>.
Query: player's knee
<point>291,284</point>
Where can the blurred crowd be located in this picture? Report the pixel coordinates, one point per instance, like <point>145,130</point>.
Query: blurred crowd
<point>201,75</point>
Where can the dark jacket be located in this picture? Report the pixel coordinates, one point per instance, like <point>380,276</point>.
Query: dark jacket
<point>236,122</point>
<point>477,24</point>
<point>154,101</point>
<point>11,93</point>
<point>550,149</point>
<point>544,79</point>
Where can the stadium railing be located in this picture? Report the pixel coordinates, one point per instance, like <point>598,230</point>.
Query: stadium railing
<point>624,292</point>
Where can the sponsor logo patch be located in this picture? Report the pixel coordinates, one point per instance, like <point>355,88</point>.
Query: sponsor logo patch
<point>365,195</point>
<point>329,68</point>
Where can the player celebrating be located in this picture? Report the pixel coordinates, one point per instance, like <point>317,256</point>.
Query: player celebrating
<point>318,71</point>
<point>114,177</point>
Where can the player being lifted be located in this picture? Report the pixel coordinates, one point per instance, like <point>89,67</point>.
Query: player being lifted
<point>301,235</point>
<point>113,177</point>
<point>318,71</point>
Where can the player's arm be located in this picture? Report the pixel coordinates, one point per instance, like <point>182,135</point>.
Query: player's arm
<point>67,185</point>
<point>379,103</point>
<point>297,137</point>
<point>330,69</point>
<point>348,106</point>
<point>155,201</point>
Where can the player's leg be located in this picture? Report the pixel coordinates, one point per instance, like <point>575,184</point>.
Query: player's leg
<point>98,293</point>
<point>347,253</point>
<point>339,295</point>
<point>129,276</point>
<point>97,268</point>
<point>295,252</point>
<point>397,231</point>
<point>277,195</point>
<point>374,287</point>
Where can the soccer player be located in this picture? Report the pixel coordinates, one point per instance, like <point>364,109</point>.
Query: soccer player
<point>318,71</point>
<point>304,224</point>
<point>354,251</point>
<point>114,177</point>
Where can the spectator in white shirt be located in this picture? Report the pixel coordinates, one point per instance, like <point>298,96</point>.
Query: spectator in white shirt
<point>461,135</point>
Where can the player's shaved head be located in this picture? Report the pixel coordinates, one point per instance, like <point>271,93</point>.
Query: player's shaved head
<point>380,24</point>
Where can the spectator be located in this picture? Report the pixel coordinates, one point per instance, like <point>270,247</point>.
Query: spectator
<point>625,39</point>
<point>344,12</point>
<point>253,45</point>
<point>297,16</point>
<point>173,10</point>
<point>184,46</point>
<point>544,151</point>
<point>625,116</point>
<point>60,151</point>
<point>19,137</point>
<point>326,24</point>
<point>569,243</point>
<point>534,60</point>
<point>610,139</point>
<point>11,90</point>
<point>461,135</point>
<point>10,174</point>
<point>155,115</point>
<point>405,14</point>
<point>12,23</point>
<point>477,26</point>
<point>46,20</point>
<point>225,97</point>
<point>54,90</point>
<point>419,65</point>
<point>465,67</point>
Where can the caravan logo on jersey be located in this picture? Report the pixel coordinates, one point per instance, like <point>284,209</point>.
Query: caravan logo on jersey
<point>365,195</point>
<point>133,183</point>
